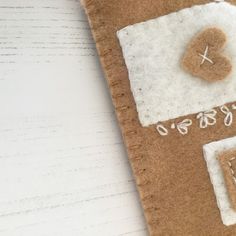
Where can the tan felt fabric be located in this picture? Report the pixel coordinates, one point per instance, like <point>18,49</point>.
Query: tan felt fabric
<point>228,165</point>
<point>170,172</point>
<point>204,58</point>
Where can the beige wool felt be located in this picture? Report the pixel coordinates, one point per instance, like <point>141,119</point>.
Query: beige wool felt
<point>170,172</point>
<point>204,56</point>
<point>227,161</point>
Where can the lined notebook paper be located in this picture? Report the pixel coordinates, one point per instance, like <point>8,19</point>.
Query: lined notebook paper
<point>63,167</point>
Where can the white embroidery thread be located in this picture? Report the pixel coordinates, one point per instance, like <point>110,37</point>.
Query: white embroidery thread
<point>229,116</point>
<point>207,118</point>
<point>234,106</point>
<point>162,130</point>
<point>231,168</point>
<point>205,56</point>
<point>182,127</point>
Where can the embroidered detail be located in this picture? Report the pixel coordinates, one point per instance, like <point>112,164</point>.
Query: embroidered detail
<point>207,118</point>
<point>211,40</point>
<point>229,115</point>
<point>217,154</point>
<point>227,163</point>
<point>162,130</point>
<point>150,62</point>
<point>182,127</point>
<point>231,168</point>
<point>204,56</point>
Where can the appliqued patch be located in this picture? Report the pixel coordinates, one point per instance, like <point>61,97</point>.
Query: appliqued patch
<point>154,51</point>
<point>204,58</point>
<point>219,158</point>
<point>227,161</point>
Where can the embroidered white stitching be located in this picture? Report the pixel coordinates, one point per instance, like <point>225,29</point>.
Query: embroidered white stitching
<point>162,130</point>
<point>231,168</point>
<point>207,118</point>
<point>204,56</point>
<point>182,127</point>
<point>229,115</point>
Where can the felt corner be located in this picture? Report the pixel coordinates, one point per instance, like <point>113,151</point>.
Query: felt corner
<point>215,155</point>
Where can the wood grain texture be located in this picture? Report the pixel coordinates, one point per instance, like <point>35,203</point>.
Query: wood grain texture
<point>63,167</point>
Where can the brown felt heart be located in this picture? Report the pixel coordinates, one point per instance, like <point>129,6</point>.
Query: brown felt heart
<point>203,57</point>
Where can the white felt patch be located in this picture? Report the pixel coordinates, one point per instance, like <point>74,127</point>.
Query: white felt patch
<point>211,152</point>
<point>153,51</point>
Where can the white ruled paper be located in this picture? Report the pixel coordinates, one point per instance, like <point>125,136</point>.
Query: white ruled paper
<point>63,167</point>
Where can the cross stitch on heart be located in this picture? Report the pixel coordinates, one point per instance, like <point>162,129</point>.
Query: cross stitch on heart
<point>203,56</point>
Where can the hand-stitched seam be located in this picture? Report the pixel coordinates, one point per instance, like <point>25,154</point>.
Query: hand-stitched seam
<point>122,108</point>
<point>137,153</point>
<point>231,169</point>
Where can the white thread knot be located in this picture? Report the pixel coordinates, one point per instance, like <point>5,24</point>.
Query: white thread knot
<point>207,118</point>
<point>182,127</point>
<point>229,116</point>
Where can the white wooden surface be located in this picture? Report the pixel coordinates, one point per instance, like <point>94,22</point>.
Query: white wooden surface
<point>63,166</point>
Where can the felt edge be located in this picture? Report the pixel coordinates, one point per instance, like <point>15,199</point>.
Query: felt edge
<point>134,146</point>
<point>131,129</point>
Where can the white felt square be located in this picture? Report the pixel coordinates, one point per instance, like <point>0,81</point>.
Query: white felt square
<point>211,152</point>
<point>153,51</point>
